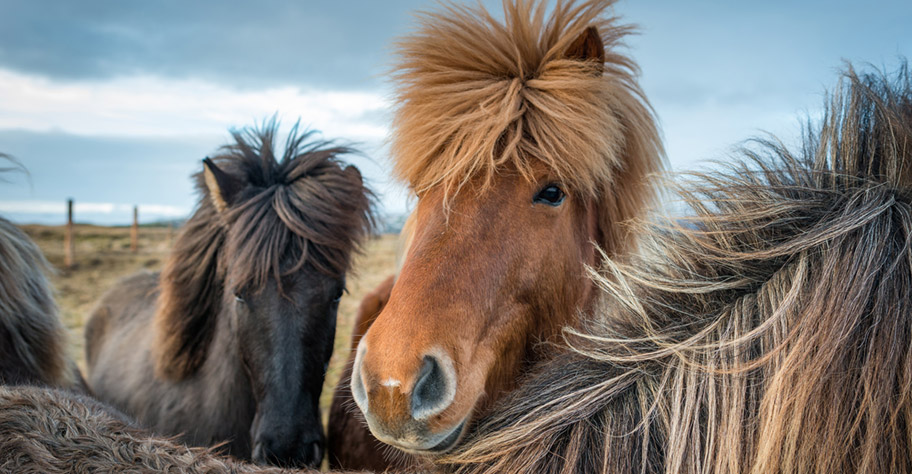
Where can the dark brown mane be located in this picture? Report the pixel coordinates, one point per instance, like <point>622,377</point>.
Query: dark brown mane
<point>32,338</point>
<point>770,335</point>
<point>301,208</point>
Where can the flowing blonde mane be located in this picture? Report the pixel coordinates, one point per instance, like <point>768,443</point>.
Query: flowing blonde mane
<point>477,97</point>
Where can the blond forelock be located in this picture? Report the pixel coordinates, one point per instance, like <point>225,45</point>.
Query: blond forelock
<point>476,96</point>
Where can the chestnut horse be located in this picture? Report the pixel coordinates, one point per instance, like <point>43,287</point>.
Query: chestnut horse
<point>32,336</point>
<point>771,334</point>
<point>528,144</point>
<point>231,341</point>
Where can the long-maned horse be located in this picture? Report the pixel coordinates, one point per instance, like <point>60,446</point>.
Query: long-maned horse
<point>32,336</point>
<point>771,333</point>
<point>231,341</point>
<point>528,143</point>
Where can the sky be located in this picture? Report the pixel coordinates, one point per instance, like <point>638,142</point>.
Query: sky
<point>114,103</point>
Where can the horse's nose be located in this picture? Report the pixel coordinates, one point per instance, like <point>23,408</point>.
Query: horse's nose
<point>420,393</point>
<point>272,450</point>
<point>433,391</point>
<point>312,454</point>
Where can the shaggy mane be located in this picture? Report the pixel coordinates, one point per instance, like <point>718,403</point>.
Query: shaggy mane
<point>58,432</point>
<point>477,97</point>
<point>32,337</point>
<point>301,208</point>
<point>771,334</point>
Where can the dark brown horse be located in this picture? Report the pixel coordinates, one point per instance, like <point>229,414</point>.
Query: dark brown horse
<point>32,336</point>
<point>529,144</point>
<point>770,334</point>
<point>230,343</point>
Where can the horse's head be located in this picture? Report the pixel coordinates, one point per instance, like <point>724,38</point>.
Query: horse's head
<point>522,165</point>
<point>502,271</point>
<point>288,229</point>
<point>284,336</point>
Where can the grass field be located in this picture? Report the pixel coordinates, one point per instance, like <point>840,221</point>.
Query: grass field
<point>103,256</point>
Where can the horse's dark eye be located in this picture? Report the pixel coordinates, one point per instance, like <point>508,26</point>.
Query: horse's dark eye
<point>550,195</point>
<point>339,296</point>
<point>239,298</point>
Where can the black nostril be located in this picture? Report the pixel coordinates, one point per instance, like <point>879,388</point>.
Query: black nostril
<point>263,451</point>
<point>268,450</point>
<point>313,454</point>
<point>430,393</point>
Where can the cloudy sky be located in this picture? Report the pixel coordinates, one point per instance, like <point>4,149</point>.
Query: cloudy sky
<point>115,102</point>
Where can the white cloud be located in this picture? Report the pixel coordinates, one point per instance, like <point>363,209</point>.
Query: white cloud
<point>155,106</point>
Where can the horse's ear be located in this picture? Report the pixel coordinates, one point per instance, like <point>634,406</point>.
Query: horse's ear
<point>353,174</point>
<point>223,188</point>
<point>587,46</point>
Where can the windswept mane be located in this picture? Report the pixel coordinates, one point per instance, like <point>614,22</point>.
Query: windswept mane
<point>301,208</point>
<point>55,431</point>
<point>32,338</point>
<point>476,97</point>
<point>770,335</point>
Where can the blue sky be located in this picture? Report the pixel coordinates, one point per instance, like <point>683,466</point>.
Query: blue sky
<point>115,102</point>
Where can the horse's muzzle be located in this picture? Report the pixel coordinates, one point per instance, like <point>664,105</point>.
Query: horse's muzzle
<point>273,451</point>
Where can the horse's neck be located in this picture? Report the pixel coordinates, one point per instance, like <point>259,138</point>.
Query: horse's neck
<point>217,397</point>
<point>588,302</point>
<point>223,368</point>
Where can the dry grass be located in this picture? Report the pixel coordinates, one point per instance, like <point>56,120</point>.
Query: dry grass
<point>103,256</point>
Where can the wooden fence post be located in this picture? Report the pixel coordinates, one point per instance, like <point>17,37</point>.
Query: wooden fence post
<point>134,231</point>
<point>69,243</point>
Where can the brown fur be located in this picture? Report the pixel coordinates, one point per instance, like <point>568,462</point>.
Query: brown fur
<point>370,308</point>
<point>476,97</point>
<point>228,343</point>
<point>348,442</point>
<point>50,432</point>
<point>32,337</point>
<point>770,334</point>
<point>489,114</point>
<point>321,220</point>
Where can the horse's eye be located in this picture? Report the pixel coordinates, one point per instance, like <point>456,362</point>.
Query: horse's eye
<point>239,298</point>
<point>339,296</point>
<point>550,195</point>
